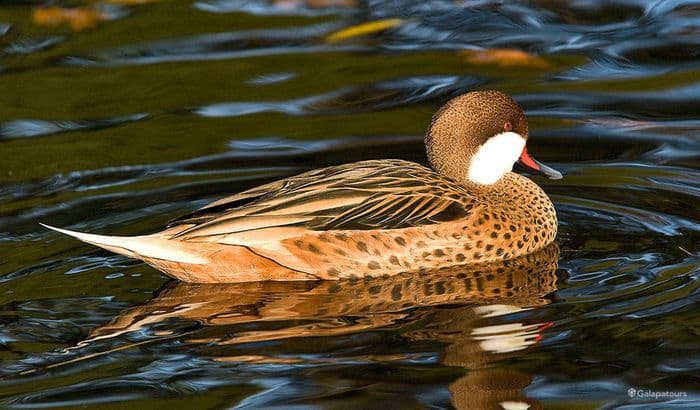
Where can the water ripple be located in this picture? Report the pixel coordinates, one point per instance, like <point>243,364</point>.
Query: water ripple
<point>620,218</point>
<point>276,8</point>
<point>34,128</point>
<point>227,84</point>
<point>219,46</point>
<point>33,45</point>
<point>382,95</point>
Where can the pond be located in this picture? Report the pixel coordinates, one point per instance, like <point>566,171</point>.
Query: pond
<point>117,116</point>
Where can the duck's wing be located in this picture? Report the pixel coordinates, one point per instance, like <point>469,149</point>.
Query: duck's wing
<point>384,194</point>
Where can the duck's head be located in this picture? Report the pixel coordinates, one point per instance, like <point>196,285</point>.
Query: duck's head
<point>478,137</point>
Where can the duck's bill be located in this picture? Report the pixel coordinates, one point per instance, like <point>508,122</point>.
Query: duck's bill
<point>534,166</point>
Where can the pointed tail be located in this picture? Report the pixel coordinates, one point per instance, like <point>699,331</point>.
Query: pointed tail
<point>138,247</point>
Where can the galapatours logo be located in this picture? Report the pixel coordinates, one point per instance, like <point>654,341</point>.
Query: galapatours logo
<point>652,394</point>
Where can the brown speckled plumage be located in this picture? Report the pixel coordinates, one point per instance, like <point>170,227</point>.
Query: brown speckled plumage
<point>370,218</point>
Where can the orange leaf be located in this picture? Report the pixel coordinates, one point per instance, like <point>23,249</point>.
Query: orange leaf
<point>504,57</point>
<point>79,18</point>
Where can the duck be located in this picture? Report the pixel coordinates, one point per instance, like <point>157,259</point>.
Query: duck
<point>372,218</point>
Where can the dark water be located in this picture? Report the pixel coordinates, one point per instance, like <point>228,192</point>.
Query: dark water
<point>168,105</point>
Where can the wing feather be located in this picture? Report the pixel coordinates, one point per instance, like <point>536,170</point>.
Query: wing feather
<point>386,194</point>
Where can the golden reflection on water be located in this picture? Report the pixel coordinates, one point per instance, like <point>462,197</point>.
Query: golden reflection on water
<point>322,308</point>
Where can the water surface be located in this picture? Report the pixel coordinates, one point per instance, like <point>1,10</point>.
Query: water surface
<point>156,109</point>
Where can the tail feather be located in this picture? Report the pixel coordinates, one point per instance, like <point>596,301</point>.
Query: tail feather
<point>139,247</point>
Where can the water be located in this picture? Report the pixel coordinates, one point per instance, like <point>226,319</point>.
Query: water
<point>165,106</point>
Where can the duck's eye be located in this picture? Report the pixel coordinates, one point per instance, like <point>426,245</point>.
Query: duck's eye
<point>507,126</point>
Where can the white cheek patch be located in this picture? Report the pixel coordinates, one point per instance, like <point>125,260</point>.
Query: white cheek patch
<point>495,158</point>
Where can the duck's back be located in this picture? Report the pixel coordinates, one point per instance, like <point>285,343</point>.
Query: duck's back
<point>367,195</point>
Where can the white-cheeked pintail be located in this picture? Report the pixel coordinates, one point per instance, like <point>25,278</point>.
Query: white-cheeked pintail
<point>371,218</point>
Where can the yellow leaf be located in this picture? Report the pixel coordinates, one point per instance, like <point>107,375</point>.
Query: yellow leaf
<point>363,29</point>
<point>79,18</point>
<point>504,57</point>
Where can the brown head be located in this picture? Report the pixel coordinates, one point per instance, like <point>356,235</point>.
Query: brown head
<point>478,137</point>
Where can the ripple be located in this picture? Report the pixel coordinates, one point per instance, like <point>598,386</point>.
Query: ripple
<point>652,288</point>
<point>270,8</point>
<point>593,389</point>
<point>608,67</point>
<point>676,103</point>
<point>378,96</point>
<point>273,78</point>
<point>219,46</point>
<point>616,109</point>
<point>271,149</point>
<point>688,363</point>
<point>33,45</point>
<point>620,218</point>
<point>36,128</point>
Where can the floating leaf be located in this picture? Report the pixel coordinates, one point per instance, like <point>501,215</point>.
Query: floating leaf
<point>363,29</point>
<point>504,57</point>
<point>79,18</point>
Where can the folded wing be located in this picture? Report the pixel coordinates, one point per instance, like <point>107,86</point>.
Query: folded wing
<point>386,194</point>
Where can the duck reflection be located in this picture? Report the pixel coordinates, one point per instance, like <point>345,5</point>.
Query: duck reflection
<point>463,300</point>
